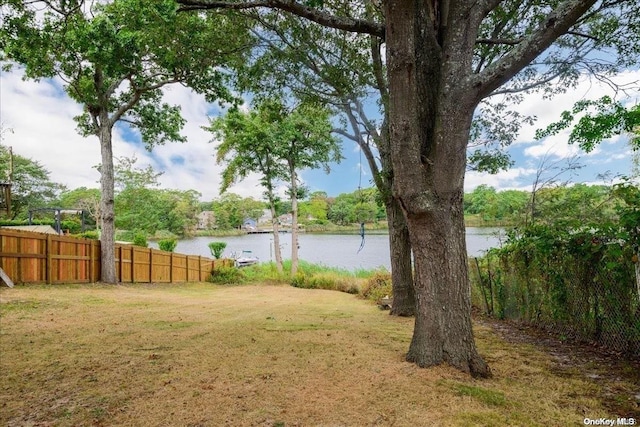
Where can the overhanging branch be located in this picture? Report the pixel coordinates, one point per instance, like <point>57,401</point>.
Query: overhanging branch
<point>310,13</point>
<point>556,23</point>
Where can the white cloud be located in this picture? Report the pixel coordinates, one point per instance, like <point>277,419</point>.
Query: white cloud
<point>43,129</point>
<point>509,179</point>
<point>555,145</point>
<point>612,155</point>
<point>41,117</point>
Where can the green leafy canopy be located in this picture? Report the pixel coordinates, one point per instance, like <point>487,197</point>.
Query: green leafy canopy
<point>116,57</point>
<point>601,119</point>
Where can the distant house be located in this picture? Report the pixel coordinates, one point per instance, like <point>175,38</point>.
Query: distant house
<point>265,219</point>
<point>249,224</point>
<point>286,220</point>
<point>206,220</point>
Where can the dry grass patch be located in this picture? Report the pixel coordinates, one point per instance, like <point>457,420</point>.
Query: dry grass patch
<point>205,355</point>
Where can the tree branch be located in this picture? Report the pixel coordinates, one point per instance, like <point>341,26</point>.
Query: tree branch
<point>307,12</point>
<point>510,42</point>
<point>529,86</point>
<point>486,6</point>
<point>131,122</point>
<point>364,145</point>
<point>378,69</point>
<point>556,23</point>
<point>579,34</point>
<point>345,134</point>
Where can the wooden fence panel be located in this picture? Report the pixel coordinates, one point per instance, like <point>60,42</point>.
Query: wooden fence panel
<point>193,268</point>
<point>28,257</point>
<point>141,264</point>
<point>69,260</point>
<point>161,266</point>
<point>179,269</point>
<point>124,263</point>
<point>23,256</point>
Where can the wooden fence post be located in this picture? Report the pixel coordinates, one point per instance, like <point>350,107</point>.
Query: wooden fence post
<point>119,252</point>
<point>171,267</point>
<point>48,264</point>
<point>19,261</point>
<point>150,265</point>
<point>91,261</point>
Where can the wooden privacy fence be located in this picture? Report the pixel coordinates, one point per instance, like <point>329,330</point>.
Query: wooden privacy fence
<point>47,258</point>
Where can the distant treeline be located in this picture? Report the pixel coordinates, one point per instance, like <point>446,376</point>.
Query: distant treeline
<point>140,205</point>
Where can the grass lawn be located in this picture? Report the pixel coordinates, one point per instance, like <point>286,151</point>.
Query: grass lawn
<point>206,355</point>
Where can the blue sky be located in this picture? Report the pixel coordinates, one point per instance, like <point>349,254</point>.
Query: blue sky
<point>40,116</point>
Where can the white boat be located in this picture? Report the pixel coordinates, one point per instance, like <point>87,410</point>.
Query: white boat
<point>245,258</point>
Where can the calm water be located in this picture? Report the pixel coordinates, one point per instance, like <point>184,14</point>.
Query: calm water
<point>334,250</point>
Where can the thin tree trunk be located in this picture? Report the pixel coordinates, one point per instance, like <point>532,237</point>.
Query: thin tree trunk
<point>107,234</point>
<point>294,220</point>
<point>276,233</point>
<point>401,268</point>
<point>399,243</point>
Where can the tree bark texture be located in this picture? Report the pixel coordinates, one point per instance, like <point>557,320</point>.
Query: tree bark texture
<point>107,236</point>
<point>399,244</point>
<point>429,123</point>
<point>401,268</point>
<point>294,219</point>
<point>276,233</point>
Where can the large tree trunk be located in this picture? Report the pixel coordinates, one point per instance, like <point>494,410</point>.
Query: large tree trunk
<point>401,268</point>
<point>429,123</point>
<point>107,235</point>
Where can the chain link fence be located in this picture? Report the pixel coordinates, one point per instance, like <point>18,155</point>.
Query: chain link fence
<point>596,302</point>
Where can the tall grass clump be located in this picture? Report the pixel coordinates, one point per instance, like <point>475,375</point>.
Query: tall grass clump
<point>227,276</point>
<point>318,276</point>
<point>309,276</point>
<point>377,286</point>
<point>266,273</point>
<point>326,280</point>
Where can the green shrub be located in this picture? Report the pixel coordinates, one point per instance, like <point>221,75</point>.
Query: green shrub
<point>168,245</point>
<point>140,239</point>
<point>124,235</point>
<point>377,286</point>
<point>90,234</point>
<point>217,248</point>
<point>227,276</point>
